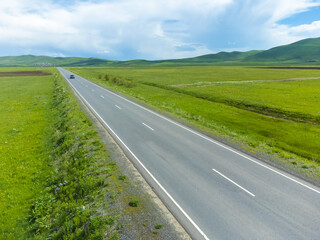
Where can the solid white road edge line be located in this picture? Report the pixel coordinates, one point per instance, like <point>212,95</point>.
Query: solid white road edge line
<point>148,126</point>
<point>234,183</point>
<point>150,174</point>
<point>209,139</point>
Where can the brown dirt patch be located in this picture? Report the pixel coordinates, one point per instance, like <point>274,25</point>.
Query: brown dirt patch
<point>24,73</point>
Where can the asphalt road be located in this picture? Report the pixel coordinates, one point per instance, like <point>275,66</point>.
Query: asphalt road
<point>215,192</point>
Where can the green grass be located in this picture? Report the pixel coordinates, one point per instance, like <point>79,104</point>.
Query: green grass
<point>188,75</point>
<point>24,118</point>
<point>296,99</point>
<point>53,178</point>
<point>78,199</point>
<point>235,112</point>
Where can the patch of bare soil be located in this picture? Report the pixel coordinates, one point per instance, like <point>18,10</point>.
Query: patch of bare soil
<point>24,74</point>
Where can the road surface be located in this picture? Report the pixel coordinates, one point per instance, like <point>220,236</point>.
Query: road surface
<point>214,191</point>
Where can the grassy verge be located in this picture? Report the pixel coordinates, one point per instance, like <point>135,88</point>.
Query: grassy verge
<point>75,203</point>
<point>292,144</point>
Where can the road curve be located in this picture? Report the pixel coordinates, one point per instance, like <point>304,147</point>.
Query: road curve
<point>216,192</point>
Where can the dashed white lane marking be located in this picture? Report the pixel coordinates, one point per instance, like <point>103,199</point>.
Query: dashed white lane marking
<point>92,90</point>
<point>118,106</point>
<point>101,96</point>
<point>234,183</point>
<point>148,127</point>
<point>138,160</point>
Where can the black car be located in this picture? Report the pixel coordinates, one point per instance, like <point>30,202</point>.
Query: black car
<point>71,76</point>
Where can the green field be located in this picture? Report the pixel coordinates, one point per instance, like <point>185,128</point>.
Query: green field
<point>284,94</point>
<point>24,117</point>
<point>277,117</point>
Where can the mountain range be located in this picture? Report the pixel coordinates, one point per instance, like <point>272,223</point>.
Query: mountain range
<point>304,52</point>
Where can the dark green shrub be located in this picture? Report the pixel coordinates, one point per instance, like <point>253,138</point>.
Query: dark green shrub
<point>122,177</point>
<point>159,226</point>
<point>134,203</point>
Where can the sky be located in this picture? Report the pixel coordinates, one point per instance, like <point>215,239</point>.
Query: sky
<point>152,29</point>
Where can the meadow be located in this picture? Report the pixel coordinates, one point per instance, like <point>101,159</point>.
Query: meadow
<point>243,106</point>
<point>24,117</point>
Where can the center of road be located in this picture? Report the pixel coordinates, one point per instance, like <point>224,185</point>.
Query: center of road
<point>234,182</point>
<point>148,127</point>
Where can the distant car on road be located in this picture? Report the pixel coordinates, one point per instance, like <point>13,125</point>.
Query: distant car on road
<point>71,76</point>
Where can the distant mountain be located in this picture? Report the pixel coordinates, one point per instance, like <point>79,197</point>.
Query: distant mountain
<point>202,60</point>
<point>31,60</point>
<point>226,56</point>
<point>304,52</point>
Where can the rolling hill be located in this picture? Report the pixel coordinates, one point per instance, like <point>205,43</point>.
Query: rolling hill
<point>31,60</point>
<point>304,52</point>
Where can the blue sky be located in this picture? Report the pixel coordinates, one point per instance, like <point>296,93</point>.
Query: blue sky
<point>152,29</point>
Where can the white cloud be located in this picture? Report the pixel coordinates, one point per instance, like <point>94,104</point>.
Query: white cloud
<point>285,34</point>
<point>280,9</point>
<point>256,22</point>
<point>287,8</point>
<point>151,29</point>
<point>310,30</point>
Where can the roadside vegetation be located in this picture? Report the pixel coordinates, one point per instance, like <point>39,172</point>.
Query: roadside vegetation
<point>55,174</point>
<point>82,185</point>
<point>57,179</point>
<point>275,120</point>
